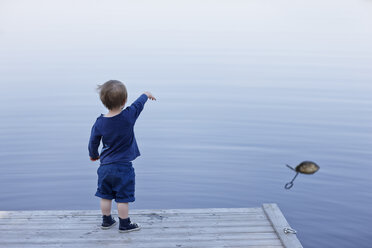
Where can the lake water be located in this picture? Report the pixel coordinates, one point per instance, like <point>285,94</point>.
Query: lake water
<point>243,88</point>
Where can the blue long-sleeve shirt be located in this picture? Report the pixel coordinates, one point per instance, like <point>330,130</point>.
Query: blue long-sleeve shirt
<point>117,134</point>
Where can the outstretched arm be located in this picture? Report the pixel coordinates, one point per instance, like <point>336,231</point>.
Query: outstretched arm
<point>137,106</point>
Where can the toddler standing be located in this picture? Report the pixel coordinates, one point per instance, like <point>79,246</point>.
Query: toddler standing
<point>116,177</point>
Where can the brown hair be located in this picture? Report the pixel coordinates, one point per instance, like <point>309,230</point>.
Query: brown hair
<point>113,94</point>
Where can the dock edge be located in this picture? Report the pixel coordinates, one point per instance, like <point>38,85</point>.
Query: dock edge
<point>279,222</point>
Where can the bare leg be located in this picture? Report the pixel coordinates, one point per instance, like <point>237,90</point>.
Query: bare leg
<point>106,206</point>
<point>123,210</point>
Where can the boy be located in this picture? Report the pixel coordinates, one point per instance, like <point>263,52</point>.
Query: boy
<point>116,178</point>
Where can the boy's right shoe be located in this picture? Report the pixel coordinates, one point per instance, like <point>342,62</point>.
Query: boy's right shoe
<point>107,222</point>
<point>127,226</point>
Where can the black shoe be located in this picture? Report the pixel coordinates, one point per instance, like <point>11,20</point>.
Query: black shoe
<point>107,222</point>
<point>127,226</point>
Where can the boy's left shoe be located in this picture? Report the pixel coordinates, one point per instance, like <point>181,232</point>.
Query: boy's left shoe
<point>107,222</point>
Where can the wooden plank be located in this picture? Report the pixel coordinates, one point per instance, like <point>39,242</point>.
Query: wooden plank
<point>115,245</point>
<point>14,215</point>
<point>164,243</point>
<point>153,224</point>
<point>279,222</point>
<point>149,215</point>
<point>134,212</point>
<point>110,244</point>
<point>65,236</point>
<point>249,231</point>
<point>97,232</point>
<point>152,217</point>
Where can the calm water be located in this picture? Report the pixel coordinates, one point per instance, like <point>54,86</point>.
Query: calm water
<point>243,88</point>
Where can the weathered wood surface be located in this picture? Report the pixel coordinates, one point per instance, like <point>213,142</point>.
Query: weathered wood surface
<point>279,223</point>
<point>217,227</point>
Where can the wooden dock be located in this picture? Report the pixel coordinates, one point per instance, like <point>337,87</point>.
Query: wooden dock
<point>212,227</point>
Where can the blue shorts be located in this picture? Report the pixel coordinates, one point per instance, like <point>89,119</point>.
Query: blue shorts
<point>116,181</point>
